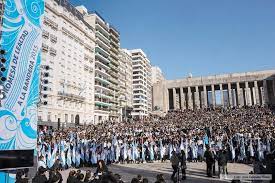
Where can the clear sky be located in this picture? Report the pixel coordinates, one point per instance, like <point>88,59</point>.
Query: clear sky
<point>202,37</point>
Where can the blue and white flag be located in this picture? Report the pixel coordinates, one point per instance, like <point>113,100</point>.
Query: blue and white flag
<point>62,153</point>
<point>49,156</point>
<point>53,156</point>
<point>77,156</point>
<point>87,151</point>
<point>251,150</point>
<point>232,149</point>
<point>69,157</point>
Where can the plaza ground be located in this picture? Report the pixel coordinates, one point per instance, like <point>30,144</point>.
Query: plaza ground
<point>195,171</point>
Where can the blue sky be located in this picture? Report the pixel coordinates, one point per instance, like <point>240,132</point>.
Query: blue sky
<point>202,37</point>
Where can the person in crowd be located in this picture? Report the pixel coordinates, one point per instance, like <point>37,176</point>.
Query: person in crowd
<point>160,178</point>
<point>101,167</point>
<point>80,178</point>
<point>209,159</point>
<point>19,177</point>
<point>40,176</point>
<point>246,134</point>
<point>72,177</point>
<point>88,177</point>
<point>134,180</point>
<point>222,162</point>
<point>183,164</point>
<point>55,174</point>
<point>118,178</point>
<point>139,177</point>
<point>175,164</point>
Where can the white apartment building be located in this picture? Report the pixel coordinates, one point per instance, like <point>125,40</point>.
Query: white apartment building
<point>125,83</point>
<point>114,72</point>
<point>142,84</point>
<point>157,75</point>
<point>106,67</point>
<point>68,62</point>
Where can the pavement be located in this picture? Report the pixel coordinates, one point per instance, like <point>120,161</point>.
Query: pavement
<point>195,171</point>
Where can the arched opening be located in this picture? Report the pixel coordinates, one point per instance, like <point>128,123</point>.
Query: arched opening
<point>77,119</point>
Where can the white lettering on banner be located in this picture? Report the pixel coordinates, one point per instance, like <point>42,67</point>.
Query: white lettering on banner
<point>13,63</point>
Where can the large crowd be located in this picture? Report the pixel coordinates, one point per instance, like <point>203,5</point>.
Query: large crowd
<point>244,134</point>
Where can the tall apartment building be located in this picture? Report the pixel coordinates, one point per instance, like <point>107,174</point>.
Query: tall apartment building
<point>106,67</point>
<point>125,83</point>
<point>157,75</point>
<point>67,66</point>
<point>114,70</point>
<point>142,84</point>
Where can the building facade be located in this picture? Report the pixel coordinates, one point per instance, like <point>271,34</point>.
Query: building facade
<point>228,90</point>
<point>106,67</point>
<point>67,67</point>
<point>125,84</point>
<point>157,75</point>
<point>114,72</point>
<point>142,84</point>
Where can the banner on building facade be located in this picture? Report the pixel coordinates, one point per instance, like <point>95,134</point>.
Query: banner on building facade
<point>21,39</point>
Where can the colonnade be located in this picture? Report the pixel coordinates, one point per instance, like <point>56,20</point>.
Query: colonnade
<point>247,93</point>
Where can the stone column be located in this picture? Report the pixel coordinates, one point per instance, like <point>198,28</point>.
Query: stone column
<point>256,90</point>
<point>190,101</point>
<point>174,98</point>
<point>230,101</point>
<point>182,99</point>
<point>234,97</point>
<point>240,95</point>
<point>247,94</point>
<point>205,96</point>
<point>166,96</point>
<point>222,100</point>
<point>265,92</point>
<point>197,98</point>
<point>213,95</point>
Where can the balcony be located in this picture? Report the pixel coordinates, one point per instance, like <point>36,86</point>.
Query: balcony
<point>102,80</point>
<point>102,72</point>
<point>102,95</point>
<point>113,67</point>
<point>112,73</point>
<point>102,26</point>
<point>114,38</point>
<point>113,87</point>
<point>102,64</point>
<point>102,44</point>
<point>71,97</point>
<point>104,88</point>
<point>102,52</point>
<point>102,58</point>
<point>104,104</point>
<point>102,37</point>
<point>114,44</point>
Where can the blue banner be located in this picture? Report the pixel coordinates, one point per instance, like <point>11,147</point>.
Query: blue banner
<point>21,39</point>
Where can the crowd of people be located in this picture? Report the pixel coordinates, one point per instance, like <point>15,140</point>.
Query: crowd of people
<point>102,175</point>
<point>242,135</point>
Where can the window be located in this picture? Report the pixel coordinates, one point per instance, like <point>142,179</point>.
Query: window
<point>49,117</point>
<point>72,118</point>
<point>66,118</point>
